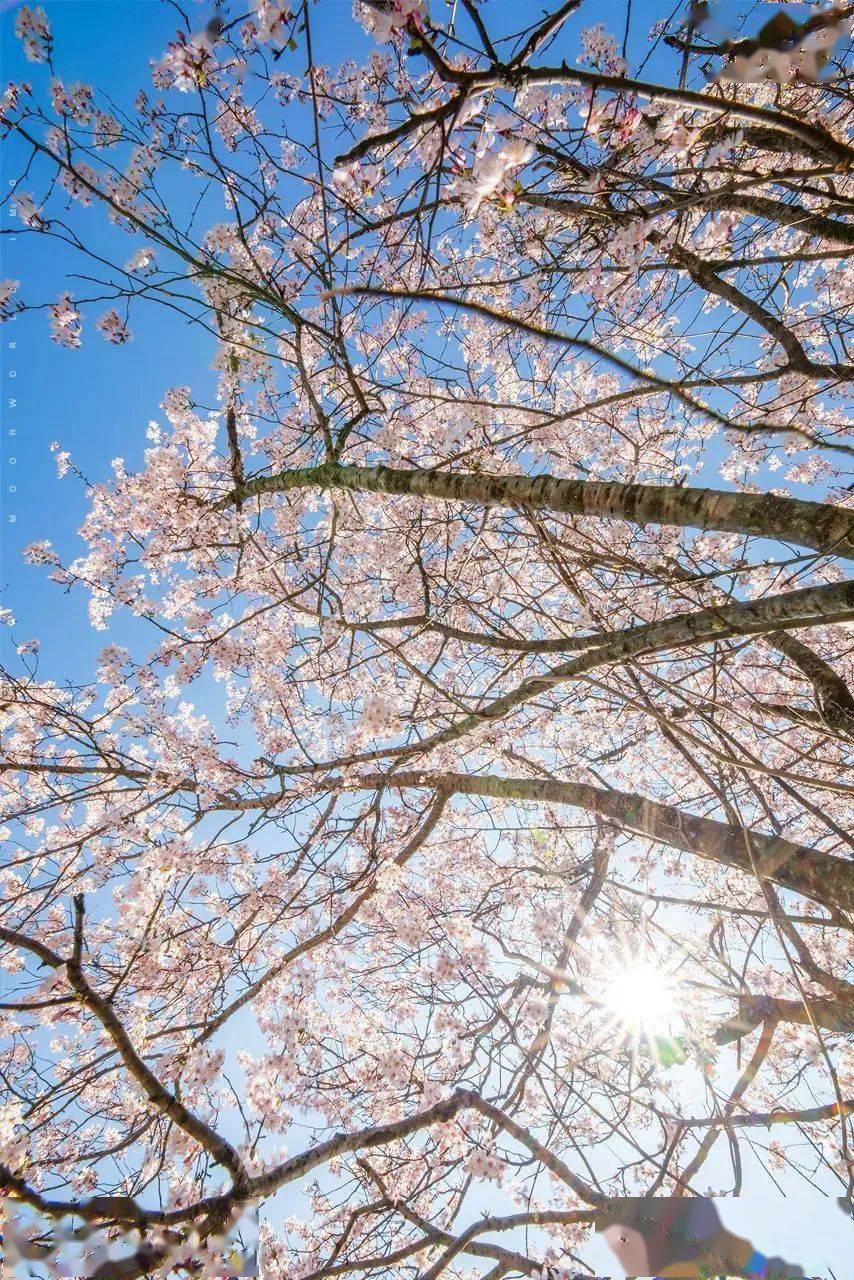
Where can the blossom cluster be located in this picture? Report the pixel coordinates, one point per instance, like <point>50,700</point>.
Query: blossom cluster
<point>489,175</point>
<point>385,21</point>
<point>8,288</point>
<point>113,327</point>
<point>271,20</point>
<point>186,65</point>
<point>32,27</point>
<point>65,324</point>
<point>28,211</point>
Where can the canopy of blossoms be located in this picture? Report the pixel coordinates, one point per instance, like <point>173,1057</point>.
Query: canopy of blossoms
<point>470,825</point>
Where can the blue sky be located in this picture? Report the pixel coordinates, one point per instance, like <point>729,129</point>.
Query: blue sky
<point>95,401</point>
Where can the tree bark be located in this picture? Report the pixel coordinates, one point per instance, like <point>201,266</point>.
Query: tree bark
<point>820,526</point>
<point>811,872</point>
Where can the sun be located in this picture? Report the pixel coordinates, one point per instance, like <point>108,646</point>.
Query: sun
<point>642,997</point>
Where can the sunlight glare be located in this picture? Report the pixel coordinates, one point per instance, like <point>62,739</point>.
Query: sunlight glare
<point>642,997</point>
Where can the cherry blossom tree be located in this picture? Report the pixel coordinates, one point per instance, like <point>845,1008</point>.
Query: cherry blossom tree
<point>476,813</point>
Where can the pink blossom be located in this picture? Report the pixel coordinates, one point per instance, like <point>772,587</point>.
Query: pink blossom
<point>186,64</point>
<point>385,23</point>
<point>65,324</point>
<point>31,26</point>
<point>41,553</point>
<point>27,210</point>
<point>378,714</point>
<point>7,289</point>
<point>489,173</point>
<point>113,327</point>
<point>599,48</point>
<point>14,1140</point>
<point>107,130</point>
<point>271,19</point>
<point>142,259</point>
<point>74,101</point>
<point>486,1166</point>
